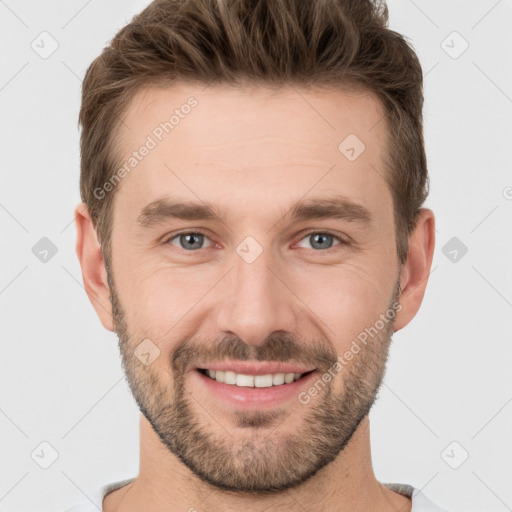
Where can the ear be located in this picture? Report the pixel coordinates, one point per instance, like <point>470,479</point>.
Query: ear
<point>94,274</point>
<point>415,272</point>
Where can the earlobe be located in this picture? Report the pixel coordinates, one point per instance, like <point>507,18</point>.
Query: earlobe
<point>94,274</point>
<point>416,271</point>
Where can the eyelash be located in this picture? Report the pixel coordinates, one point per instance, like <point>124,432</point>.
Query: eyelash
<point>314,232</point>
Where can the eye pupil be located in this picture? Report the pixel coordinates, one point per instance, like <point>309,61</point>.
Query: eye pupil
<point>318,240</point>
<point>186,238</point>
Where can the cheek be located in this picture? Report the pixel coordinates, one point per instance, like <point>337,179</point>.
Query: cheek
<point>156,298</point>
<point>347,298</point>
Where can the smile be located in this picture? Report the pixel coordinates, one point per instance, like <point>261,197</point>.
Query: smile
<point>252,381</point>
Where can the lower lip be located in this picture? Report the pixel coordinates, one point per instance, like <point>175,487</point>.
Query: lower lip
<point>253,398</point>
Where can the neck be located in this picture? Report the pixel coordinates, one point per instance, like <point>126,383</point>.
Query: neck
<point>164,483</point>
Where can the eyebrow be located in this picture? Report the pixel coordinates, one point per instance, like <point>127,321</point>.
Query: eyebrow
<point>336,207</point>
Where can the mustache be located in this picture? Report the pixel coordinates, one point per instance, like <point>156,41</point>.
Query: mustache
<point>279,346</point>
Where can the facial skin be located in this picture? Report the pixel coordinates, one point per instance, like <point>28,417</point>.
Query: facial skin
<point>304,299</point>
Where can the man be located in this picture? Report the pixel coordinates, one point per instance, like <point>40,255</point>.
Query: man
<point>252,178</point>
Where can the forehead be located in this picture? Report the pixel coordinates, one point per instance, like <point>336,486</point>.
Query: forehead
<point>256,110</point>
<point>246,146</point>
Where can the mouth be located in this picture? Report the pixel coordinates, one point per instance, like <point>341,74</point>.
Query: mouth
<point>268,380</point>
<point>252,385</point>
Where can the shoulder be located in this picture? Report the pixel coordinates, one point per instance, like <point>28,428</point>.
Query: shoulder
<point>95,503</point>
<point>420,502</point>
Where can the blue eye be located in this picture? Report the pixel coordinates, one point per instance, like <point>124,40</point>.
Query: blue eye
<point>189,241</point>
<point>321,240</point>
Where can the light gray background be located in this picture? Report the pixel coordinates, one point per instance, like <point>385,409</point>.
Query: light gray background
<point>449,373</point>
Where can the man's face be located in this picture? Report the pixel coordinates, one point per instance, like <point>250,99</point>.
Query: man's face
<point>254,284</point>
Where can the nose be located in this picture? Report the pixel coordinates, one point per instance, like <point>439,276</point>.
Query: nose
<point>256,300</point>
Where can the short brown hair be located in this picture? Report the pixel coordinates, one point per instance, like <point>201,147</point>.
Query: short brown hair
<point>306,43</point>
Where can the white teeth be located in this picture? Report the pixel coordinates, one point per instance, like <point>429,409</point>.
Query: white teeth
<point>289,377</point>
<point>229,377</point>
<point>263,381</point>
<point>246,381</point>
<point>278,379</point>
<point>250,381</point>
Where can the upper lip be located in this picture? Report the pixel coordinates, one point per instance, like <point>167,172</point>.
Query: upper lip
<point>256,368</point>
